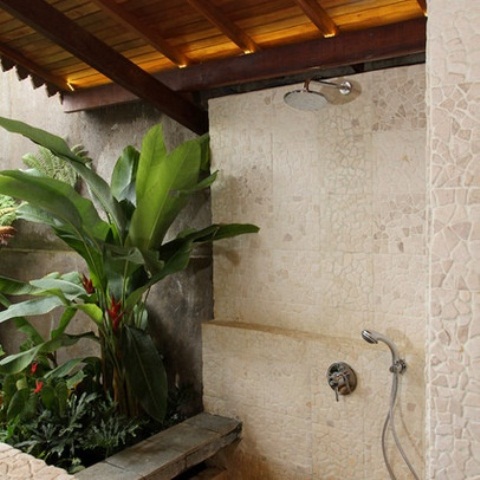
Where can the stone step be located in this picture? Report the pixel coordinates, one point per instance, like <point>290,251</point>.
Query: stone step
<point>169,453</point>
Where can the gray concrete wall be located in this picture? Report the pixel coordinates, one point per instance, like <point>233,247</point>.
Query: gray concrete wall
<point>178,304</point>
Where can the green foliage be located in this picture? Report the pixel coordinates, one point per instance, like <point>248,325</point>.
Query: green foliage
<point>48,164</point>
<point>59,413</point>
<point>89,429</point>
<point>8,207</point>
<point>124,248</point>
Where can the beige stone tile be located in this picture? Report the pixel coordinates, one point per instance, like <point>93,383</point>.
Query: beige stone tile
<point>400,224</point>
<point>346,223</point>
<point>399,286</point>
<point>399,162</point>
<point>399,99</point>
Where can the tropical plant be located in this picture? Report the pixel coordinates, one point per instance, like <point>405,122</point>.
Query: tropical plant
<point>48,164</point>
<point>125,250</point>
<point>8,207</point>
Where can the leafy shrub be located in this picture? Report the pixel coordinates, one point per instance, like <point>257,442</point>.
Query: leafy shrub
<point>88,430</point>
<point>8,207</point>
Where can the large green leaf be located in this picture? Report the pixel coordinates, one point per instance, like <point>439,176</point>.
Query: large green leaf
<point>45,193</point>
<point>161,179</point>
<point>60,287</point>
<point>93,311</point>
<point>64,322</point>
<point>174,256</point>
<point>70,366</point>
<point>176,253</point>
<point>58,199</point>
<point>145,371</point>
<point>19,361</point>
<point>55,144</point>
<point>59,147</point>
<point>36,306</point>
<point>124,175</point>
<point>10,286</point>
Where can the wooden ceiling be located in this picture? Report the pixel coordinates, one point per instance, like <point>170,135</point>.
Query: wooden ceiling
<point>164,51</point>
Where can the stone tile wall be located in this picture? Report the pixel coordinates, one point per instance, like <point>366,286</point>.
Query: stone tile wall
<point>340,197</point>
<point>453,342</point>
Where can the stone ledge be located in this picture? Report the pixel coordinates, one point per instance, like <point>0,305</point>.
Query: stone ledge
<point>168,453</point>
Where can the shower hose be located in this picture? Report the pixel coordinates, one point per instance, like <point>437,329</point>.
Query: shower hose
<point>389,420</point>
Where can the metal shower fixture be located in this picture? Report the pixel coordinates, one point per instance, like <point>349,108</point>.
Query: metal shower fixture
<point>398,367</point>
<point>398,364</point>
<point>309,100</point>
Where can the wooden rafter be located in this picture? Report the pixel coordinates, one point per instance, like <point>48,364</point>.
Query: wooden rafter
<point>33,67</point>
<point>379,43</point>
<point>54,25</point>
<point>423,5</point>
<point>225,25</point>
<point>351,48</point>
<point>151,36</point>
<point>319,17</point>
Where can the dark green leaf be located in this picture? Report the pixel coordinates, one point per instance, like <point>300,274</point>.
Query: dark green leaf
<point>36,306</point>
<point>145,371</point>
<point>160,179</point>
<point>59,147</point>
<point>124,175</point>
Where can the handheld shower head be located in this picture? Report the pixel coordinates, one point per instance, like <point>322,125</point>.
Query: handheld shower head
<point>374,337</point>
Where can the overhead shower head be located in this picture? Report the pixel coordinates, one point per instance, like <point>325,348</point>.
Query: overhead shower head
<point>310,100</point>
<point>371,336</point>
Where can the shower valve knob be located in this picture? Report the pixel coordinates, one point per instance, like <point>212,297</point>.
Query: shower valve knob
<point>341,378</point>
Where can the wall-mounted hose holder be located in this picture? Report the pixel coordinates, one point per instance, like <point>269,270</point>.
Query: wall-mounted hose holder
<point>341,378</point>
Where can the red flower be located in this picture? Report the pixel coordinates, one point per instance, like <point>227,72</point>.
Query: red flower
<point>33,368</point>
<point>115,312</point>
<point>38,386</point>
<point>88,285</point>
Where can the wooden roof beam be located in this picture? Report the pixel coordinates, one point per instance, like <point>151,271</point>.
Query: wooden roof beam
<point>423,5</point>
<point>351,48</point>
<point>60,29</point>
<point>319,17</point>
<point>150,35</point>
<point>225,25</point>
<point>33,68</point>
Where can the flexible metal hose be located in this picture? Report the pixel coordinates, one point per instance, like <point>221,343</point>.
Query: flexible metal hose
<point>389,420</point>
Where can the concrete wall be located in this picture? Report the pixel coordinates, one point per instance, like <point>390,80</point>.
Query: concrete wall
<point>340,197</point>
<point>179,303</point>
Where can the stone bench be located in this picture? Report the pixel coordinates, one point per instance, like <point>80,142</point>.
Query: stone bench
<point>169,453</point>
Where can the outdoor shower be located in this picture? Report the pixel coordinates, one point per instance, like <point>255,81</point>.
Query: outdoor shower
<point>335,92</point>
<point>398,367</point>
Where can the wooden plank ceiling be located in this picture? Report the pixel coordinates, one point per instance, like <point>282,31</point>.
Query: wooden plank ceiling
<point>164,51</point>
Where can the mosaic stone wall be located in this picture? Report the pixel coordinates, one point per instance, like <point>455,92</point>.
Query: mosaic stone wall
<point>340,196</point>
<point>453,393</point>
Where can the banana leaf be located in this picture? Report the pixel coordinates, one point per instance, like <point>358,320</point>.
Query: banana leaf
<point>174,256</point>
<point>19,361</point>
<point>57,199</point>
<point>145,371</point>
<point>35,306</point>
<point>124,175</point>
<point>161,178</point>
<point>59,147</point>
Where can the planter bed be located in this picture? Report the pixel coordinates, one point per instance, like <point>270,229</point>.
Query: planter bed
<point>163,456</point>
<point>169,453</point>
